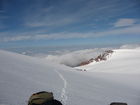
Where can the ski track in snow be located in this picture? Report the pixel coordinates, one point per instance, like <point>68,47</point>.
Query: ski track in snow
<point>63,92</point>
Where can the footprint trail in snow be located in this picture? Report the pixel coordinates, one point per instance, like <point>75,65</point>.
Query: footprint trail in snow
<point>63,92</point>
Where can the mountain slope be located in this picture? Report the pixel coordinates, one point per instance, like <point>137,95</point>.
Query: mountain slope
<point>20,76</point>
<point>121,61</point>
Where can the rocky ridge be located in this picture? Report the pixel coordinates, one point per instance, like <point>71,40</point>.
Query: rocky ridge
<point>101,57</point>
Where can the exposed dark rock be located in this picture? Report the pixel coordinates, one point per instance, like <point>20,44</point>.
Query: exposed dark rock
<point>101,57</point>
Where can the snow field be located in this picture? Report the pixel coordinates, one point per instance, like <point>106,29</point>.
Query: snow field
<point>116,79</point>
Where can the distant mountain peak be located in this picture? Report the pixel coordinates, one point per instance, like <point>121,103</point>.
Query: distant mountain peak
<point>101,57</point>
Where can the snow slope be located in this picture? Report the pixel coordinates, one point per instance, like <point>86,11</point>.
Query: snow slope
<point>121,61</point>
<point>20,76</point>
<point>103,83</point>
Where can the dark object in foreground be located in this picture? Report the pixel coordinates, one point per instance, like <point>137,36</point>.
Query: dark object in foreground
<point>53,102</point>
<point>118,103</point>
<point>43,98</point>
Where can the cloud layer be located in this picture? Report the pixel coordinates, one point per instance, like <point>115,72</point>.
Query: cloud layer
<point>125,22</point>
<point>130,46</point>
<point>133,30</point>
<point>74,58</point>
<point>37,21</point>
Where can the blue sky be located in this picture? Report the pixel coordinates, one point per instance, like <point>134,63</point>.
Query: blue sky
<point>69,22</point>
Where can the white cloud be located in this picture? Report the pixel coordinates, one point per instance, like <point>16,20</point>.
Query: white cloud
<point>15,38</point>
<point>130,46</point>
<point>75,57</point>
<point>55,15</point>
<point>125,22</point>
<point>133,30</point>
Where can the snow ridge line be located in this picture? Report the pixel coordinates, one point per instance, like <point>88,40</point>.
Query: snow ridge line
<point>63,92</point>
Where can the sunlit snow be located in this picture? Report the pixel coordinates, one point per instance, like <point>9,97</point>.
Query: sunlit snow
<point>116,79</point>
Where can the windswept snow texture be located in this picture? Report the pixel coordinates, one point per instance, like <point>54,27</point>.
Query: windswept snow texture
<point>117,79</point>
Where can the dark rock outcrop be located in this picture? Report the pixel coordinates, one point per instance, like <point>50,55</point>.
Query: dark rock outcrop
<point>101,57</point>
